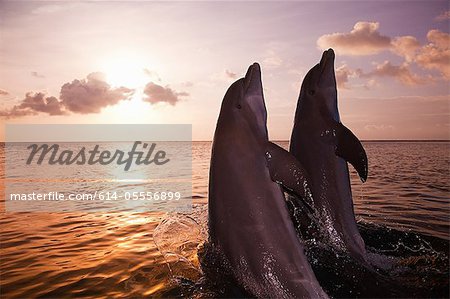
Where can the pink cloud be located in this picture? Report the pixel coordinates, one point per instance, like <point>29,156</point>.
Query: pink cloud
<point>364,39</point>
<point>405,46</point>
<point>92,94</point>
<point>158,94</point>
<point>84,96</point>
<point>230,74</point>
<point>37,75</point>
<point>343,73</point>
<point>402,73</point>
<point>443,16</point>
<point>436,54</point>
<point>32,104</point>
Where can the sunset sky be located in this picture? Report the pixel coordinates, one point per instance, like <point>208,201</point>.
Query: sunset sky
<point>171,62</point>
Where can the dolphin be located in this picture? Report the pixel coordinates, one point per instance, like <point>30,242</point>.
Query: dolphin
<point>249,223</point>
<point>323,145</point>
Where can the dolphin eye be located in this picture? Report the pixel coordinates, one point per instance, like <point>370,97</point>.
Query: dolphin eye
<point>312,92</point>
<point>239,106</point>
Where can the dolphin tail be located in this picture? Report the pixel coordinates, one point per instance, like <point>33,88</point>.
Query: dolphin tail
<point>351,150</point>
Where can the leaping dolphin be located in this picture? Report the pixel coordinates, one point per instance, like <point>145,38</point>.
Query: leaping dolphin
<point>323,145</point>
<point>248,221</point>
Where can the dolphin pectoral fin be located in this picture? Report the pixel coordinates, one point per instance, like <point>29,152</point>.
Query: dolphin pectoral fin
<point>351,150</point>
<point>287,171</point>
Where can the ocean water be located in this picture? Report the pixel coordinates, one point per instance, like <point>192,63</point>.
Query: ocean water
<point>403,213</point>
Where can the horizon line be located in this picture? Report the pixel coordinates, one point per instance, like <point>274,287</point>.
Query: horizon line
<point>273,140</point>
<point>364,140</point>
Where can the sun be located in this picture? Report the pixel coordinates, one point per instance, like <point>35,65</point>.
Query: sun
<point>126,69</point>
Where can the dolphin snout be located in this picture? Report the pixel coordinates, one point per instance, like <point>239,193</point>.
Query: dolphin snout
<point>252,77</point>
<point>327,59</point>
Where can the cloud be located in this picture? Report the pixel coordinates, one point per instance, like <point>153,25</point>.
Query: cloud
<point>230,74</point>
<point>402,73</point>
<point>3,92</point>
<point>343,73</point>
<point>364,39</point>
<point>436,54</point>
<point>32,104</point>
<point>224,76</point>
<point>37,75</point>
<point>156,93</point>
<point>152,74</point>
<point>439,39</point>
<point>92,94</point>
<point>40,103</point>
<point>405,46</point>
<point>443,16</point>
<point>84,96</point>
<point>15,112</point>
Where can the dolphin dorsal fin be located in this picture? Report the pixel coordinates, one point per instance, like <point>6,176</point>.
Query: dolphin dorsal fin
<point>351,150</point>
<point>287,171</point>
